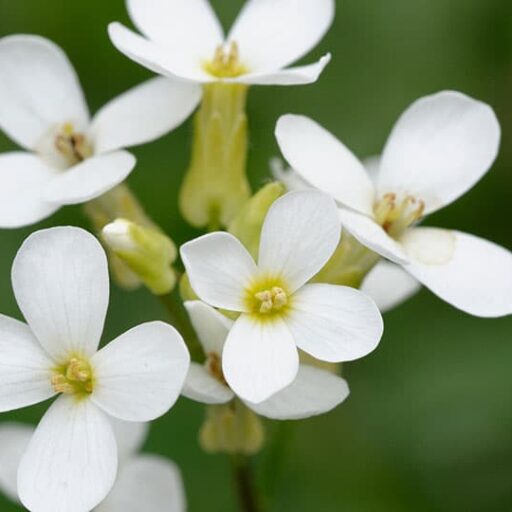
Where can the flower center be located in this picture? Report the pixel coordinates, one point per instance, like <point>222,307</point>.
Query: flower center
<point>213,364</point>
<point>63,147</point>
<point>226,62</point>
<point>267,297</point>
<point>74,147</point>
<point>73,378</point>
<point>395,216</point>
<point>270,300</point>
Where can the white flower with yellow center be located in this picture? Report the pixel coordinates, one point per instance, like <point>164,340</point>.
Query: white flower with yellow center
<point>184,39</point>
<point>314,391</point>
<point>440,147</point>
<point>386,283</point>
<point>144,481</point>
<point>279,310</point>
<point>70,158</point>
<point>60,280</point>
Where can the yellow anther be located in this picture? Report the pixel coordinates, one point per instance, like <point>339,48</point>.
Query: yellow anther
<point>73,378</point>
<point>61,385</point>
<point>78,371</point>
<point>395,217</point>
<point>225,62</point>
<point>273,299</point>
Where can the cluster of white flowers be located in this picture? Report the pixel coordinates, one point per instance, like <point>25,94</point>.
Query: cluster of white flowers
<point>273,299</point>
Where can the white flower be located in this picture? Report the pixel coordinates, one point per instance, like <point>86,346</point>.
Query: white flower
<point>70,158</point>
<point>279,310</point>
<point>440,147</point>
<point>387,284</point>
<point>146,482</point>
<point>314,391</point>
<point>60,280</point>
<point>184,39</point>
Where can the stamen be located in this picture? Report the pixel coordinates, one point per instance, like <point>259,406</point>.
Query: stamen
<point>74,147</point>
<point>73,378</point>
<point>395,217</point>
<point>273,299</point>
<point>225,62</point>
<point>213,364</point>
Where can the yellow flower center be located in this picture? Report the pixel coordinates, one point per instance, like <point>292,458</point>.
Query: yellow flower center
<point>267,297</point>
<point>72,146</point>
<point>226,62</point>
<point>395,216</point>
<point>73,378</point>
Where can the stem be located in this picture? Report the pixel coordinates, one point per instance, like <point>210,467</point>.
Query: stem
<point>243,478</point>
<point>180,320</point>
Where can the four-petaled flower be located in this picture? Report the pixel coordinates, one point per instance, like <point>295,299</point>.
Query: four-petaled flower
<point>279,310</point>
<point>184,39</point>
<point>145,481</point>
<point>314,391</point>
<point>71,159</point>
<point>60,280</point>
<point>440,147</point>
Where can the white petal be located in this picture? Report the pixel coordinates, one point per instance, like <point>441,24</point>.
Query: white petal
<point>370,234</point>
<point>211,326</point>
<point>60,279</point>
<point>203,387</point>
<point>89,179</point>
<point>440,147</point>
<point>143,114</point>
<point>139,375</point>
<point>314,391</point>
<point>372,166</point>
<point>71,461</point>
<point>187,29</point>
<point>38,89</point>
<point>25,368</point>
<point>14,439</point>
<point>299,75</point>
<point>148,482</point>
<point>470,273</point>
<point>22,176</point>
<point>156,57</point>
<point>130,437</point>
<point>290,177</point>
<point>324,162</point>
<point>334,323</point>
<point>260,358</point>
<point>389,285</point>
<point>271,34</point>
<point>220,269</point>
<point>299,235</point>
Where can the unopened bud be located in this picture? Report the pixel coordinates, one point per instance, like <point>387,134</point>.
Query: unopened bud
<point>246,226</point>
<point>147,252</point>
<point>232,428</point>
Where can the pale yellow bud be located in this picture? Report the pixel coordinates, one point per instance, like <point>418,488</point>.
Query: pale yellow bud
<point>147,252</point>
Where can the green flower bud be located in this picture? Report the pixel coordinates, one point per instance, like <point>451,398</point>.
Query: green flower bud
<point>246,226</point>
<point>231,428</point>
<point>216,186</point>
<point>147,252</point>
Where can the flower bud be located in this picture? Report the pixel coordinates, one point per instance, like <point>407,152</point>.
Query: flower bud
<point>147,252</point>
<point>246,226</point>
<point>232,428</point>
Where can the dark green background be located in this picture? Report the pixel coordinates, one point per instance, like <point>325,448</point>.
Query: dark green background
<point>428,426</point>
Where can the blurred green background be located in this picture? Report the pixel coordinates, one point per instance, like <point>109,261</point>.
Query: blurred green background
<point>428,426</point>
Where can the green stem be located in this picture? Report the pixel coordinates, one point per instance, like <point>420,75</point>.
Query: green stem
<point>179,319</point>
<point>243,479</point>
